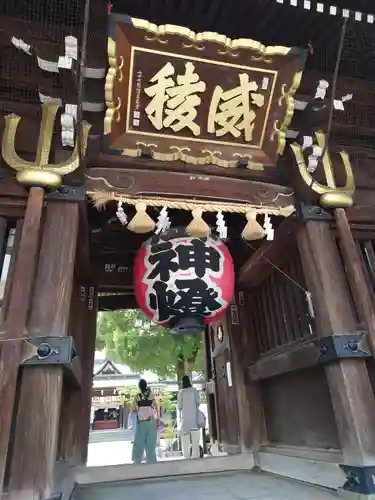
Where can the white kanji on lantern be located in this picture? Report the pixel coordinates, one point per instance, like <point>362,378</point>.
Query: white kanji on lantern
<point>268,229</point>
<point>121,214</point>
<point>221,226</point>
<point>176,275</point>
<point>163,223</point>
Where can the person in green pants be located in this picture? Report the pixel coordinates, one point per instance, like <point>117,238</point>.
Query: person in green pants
<point>146,430</point>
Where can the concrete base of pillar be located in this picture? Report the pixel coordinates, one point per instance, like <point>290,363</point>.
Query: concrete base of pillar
<point>317,467</point>
<point>350,495</point>
<point>64,480</point>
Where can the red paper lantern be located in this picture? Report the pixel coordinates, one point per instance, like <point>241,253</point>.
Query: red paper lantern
<point>182,281</point>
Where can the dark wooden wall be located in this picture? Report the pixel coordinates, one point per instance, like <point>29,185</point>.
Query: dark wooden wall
<point>281,389</point>
<point>298,410</point>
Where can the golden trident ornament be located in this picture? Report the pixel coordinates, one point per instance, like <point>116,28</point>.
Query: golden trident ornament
<point>40,172</point>
<point>331,196</point>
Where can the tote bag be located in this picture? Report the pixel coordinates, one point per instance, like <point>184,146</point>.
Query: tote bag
<point>201,419</point>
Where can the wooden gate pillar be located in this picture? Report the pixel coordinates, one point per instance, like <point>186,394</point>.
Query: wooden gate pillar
<point>35,441</point>
<point>244,352</point>
<point>76,404</point>
<point>350,388</point>
<point>13,329</point>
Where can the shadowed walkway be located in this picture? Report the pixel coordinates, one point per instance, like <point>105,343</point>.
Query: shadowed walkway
<point>223,486</point>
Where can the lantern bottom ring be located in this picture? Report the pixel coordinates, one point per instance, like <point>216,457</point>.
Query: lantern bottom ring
<point>187,325</point>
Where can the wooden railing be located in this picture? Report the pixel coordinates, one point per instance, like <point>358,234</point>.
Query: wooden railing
<point>280,311</point>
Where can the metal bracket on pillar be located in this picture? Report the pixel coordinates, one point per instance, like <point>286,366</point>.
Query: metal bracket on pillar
<point>306,213</point>
<point>360,479</point>
<point>68,193</point>
<point>47,351</point>
<point>348,345</point>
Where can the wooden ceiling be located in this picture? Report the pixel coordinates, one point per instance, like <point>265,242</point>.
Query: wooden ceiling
<point>273,24</point>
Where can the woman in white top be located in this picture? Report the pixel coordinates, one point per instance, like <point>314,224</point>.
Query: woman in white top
<point>188,404</point>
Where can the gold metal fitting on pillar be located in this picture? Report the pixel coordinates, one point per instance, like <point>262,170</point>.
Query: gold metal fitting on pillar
<point>330,196</point>
<point>40,172</point>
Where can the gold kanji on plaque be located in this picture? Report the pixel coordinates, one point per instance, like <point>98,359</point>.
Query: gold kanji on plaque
<point>173,105</point>
<point>232,111</point>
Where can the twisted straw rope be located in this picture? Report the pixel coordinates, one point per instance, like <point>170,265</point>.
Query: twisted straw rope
<point>100,198</point>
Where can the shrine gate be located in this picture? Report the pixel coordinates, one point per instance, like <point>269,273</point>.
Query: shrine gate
<point>243,129</point>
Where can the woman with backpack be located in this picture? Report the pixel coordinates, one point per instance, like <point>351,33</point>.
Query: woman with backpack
<point>146,429</point>
<point>188,404</point>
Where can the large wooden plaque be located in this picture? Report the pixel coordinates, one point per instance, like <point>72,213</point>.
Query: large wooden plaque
<point>200,98</point>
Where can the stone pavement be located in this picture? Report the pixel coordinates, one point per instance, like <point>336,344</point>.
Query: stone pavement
<point>109,448</point>
<point>223,486</point>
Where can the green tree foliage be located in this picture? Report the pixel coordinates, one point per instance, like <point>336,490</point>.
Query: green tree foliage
<point>128,337</point>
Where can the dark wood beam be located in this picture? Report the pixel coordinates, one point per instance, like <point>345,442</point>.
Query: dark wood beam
<point>269,174</point>
<point>153,183</point>
<point>271,253</point>
<point>115,302</point>
<point>114,273</point>
<point>297,358</point>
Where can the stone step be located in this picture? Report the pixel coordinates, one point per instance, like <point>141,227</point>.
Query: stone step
<point>232,485</point>
<point>115,473</point>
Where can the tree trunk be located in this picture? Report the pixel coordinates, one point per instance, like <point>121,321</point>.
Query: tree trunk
<point>180,370</point>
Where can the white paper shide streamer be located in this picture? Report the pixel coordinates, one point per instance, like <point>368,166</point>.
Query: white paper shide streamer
<point>121,215</point>
<point>221,226</point>
<point>163,223</point>
<point>268,228</point>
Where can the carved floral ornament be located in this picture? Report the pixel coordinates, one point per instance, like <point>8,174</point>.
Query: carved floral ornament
<point>173,94</point>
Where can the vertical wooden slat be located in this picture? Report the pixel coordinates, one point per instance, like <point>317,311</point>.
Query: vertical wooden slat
<point>260,334</point>
<point>14,327</point>
<point>3,239</point>
<point>285,307</point>
<point>362,253</point>
<point>263,320</point>
<point>299,299</point>
<point>294,332</point>
<point>267,297</point>
<point>279,309</point>
<point>12,265</point>
<point>370,255</point>
<point>266,316</point>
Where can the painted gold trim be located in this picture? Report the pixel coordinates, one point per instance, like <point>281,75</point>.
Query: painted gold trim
<point>289,97</point>
<point>41,171</point>
<point>181,154</point>
<point>329,191</point>
<point>209,36</point>
<point>113,108</point>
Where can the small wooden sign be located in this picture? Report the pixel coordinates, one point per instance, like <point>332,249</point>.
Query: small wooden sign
<point>220,333</point>
<point>234,315</point>
<point>200,98</point>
